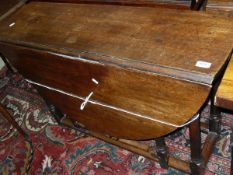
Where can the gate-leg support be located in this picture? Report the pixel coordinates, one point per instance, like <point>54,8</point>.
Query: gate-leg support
<point>197,164</point>
<point>162,153</point>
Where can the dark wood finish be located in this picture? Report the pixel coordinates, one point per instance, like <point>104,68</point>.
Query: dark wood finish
<point>136,37</point>
<point>125,55</point>
<point>105,120</point>
<point>215,113</point>
<point>117,87</point>
<point>5,5</point>
<point>209,146</point>
<point>142,92</point>
<point>9,7</point>
<point>162,152</point>
<point>197,164</point>
<point>198,5</point>
<point>177,4</point>
<point>215,119</point>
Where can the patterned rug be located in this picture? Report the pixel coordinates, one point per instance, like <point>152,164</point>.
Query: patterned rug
<point>57,150</point>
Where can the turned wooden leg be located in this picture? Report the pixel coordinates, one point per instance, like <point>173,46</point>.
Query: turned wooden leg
<point>197,164</point>
<point>63,119</point>
<point>57,114</point>
<point>193,3</point>
<point>162,153</point>
<point>215,118</point>
<point>11,119</point>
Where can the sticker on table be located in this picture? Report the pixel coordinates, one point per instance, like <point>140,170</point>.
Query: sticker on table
<point>203,64</point>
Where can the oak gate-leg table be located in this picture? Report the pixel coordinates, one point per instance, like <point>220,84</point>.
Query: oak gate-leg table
<point>123,73</point>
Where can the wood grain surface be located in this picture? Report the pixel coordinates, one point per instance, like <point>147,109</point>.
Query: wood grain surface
<point>148,3</point>
<point>153,101</point>
<point>163,41</point>
<point>175,4</point>
<point>6,5</point>
<point>220,5</point>
<point>224,95</point>
<point>178,4</point>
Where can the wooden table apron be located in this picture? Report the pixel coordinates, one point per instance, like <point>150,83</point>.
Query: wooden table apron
<point>121,71</point>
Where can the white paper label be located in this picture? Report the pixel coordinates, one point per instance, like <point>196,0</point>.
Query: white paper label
<point>203,64</point>
<point>12,24</point>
